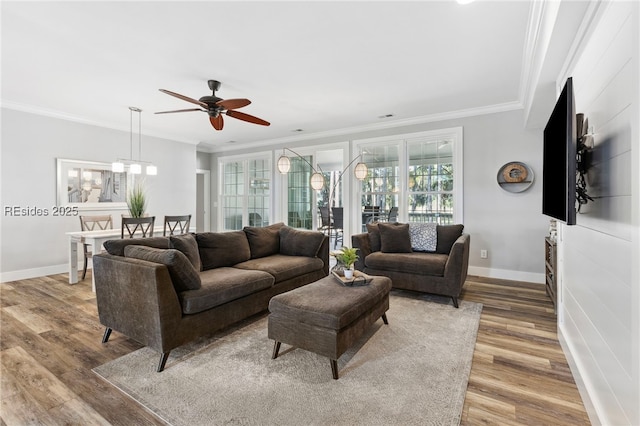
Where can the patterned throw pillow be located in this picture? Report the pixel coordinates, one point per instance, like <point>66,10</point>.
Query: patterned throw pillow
<point>424,236</point>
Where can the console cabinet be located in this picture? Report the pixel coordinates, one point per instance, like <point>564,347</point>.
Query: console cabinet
<point>551,270</point>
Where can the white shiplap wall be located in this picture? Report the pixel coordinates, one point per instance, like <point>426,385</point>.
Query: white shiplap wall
<point>599,290</point>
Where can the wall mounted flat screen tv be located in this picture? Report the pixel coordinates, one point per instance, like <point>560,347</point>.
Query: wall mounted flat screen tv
<point>559,159</point>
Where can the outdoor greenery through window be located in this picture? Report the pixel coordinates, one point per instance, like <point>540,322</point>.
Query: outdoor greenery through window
<point>413,179</point>
<point>430,182</point>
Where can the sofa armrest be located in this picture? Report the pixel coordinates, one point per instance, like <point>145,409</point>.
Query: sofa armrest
<point>323,253</point>
<point>361,242</point>
<point>455,270</point>
<point>137,298</point>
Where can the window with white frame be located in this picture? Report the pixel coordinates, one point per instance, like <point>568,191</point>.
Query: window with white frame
<point>245,192</point>
<point>413,178</point>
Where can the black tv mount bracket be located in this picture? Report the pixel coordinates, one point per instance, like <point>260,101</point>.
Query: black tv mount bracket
<point>583,160</point>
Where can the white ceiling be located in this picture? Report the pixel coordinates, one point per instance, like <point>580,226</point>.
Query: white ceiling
<point>316,66</point>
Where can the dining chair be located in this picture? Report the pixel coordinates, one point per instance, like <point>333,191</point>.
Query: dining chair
<point>176,223</point>
<point>255,219</point>
<point>142,225</point>
<point>93,223</point>
<point>393,215</point>
<point>338,225</point>
<point>325,220</point>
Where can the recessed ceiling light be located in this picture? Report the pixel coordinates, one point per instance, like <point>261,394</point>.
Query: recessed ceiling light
<point>385,116</point>
<point>464,1</point>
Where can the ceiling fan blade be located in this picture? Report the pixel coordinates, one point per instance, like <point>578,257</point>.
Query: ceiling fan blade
<point>184,98</point>
<point>180,110</point>
<point>233,103</point>
<point>217,122</point>
<point>247,117</point>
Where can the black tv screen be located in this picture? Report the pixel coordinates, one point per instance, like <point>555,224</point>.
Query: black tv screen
<point>559,159</point>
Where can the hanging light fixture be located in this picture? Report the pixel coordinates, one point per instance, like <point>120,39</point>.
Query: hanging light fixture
<point>317,181</point>
<point>284,164</point>
<point>360,171</point>
<point>135,168</point>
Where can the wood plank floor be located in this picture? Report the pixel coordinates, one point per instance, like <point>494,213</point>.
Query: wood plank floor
<point>50,340</point>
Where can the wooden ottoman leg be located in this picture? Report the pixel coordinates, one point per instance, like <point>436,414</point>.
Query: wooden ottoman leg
<point>384,318</point>
<point>276,349</point>
<point>334,368</point>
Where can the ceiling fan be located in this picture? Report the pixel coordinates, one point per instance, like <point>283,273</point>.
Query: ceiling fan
<point>215,107</point>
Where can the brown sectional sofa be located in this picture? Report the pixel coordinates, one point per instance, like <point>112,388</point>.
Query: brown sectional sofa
<point>441,271</point>
<point>166,291</point>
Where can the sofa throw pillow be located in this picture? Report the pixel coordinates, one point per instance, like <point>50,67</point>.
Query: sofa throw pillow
<point>116,247</point>
<point>294,242</point>
<point>374,236</point>
<point>188,245</point>
<point>447,235</point>
<point>183,275</point>
<point>218,249</point>
<point>394,237</point>
<point>424,236</point>
<point>263,241</point>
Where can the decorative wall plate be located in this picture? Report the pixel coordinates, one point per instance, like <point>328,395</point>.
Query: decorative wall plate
<point>515,177</point>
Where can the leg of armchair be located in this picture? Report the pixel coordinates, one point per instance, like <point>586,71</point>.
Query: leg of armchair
<point>163,361</point>
<point>455,301</point>
<point>107,333</point>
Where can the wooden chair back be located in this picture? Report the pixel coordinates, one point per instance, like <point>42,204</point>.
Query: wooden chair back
<point>95,223</point>
<point>176,224</point>
<point>142,225</point>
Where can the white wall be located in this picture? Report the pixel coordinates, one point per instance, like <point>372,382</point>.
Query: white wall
<point>509,226</point>
<point>599,325</point>
<point>36,246</point>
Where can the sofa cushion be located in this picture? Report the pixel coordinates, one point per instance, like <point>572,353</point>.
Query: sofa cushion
<point>394,237</point>
<point>219,249</point>
<point>447,235</point>
<point>374,236</point>
<point>295,242</point>
<point>116,247</point>
<point>412,263</point>
<point>188,245</point>
<point>263,241</point>
<point>283,267</point>
<point>183,275</point>
<point>424,236</point>
<point>222,285</point>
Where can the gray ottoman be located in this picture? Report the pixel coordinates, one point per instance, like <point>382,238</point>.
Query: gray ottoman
<point>326,317</point>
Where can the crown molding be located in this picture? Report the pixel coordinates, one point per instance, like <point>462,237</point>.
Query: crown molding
<point>391,124</point>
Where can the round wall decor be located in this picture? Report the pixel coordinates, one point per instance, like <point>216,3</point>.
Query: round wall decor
<point>515,177</point>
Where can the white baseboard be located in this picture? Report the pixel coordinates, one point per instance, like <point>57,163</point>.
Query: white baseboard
<point>506,274</point>
<point>577,377</point>
<point>24,274</point>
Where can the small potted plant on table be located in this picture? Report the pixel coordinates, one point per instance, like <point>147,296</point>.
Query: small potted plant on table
<point>347,257</point>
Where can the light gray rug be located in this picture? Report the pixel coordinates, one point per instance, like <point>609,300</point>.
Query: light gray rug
<point>413,371</point>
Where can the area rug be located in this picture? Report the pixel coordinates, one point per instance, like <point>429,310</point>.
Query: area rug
<point>413,371</point>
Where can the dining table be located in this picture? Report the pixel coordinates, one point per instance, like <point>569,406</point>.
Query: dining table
<point>95,239</point>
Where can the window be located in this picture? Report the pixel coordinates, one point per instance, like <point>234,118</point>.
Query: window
<point>245,192</point>
<point>413,178</point>
<point>430,181</point>
<point>300,197</point>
